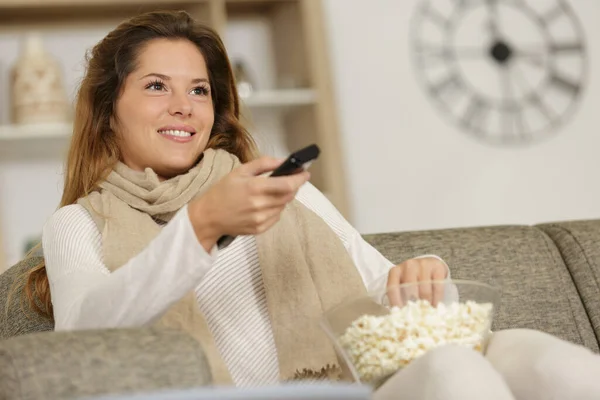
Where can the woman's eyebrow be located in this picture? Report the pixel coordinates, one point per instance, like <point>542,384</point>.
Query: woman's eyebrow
<point>167,78</point>
<point>156,74</point>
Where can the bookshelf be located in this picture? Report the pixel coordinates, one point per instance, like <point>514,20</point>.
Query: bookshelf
<point>281,41</point>
<point>296,42</point>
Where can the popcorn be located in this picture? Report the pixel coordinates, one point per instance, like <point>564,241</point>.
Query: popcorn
<point>380,345</point>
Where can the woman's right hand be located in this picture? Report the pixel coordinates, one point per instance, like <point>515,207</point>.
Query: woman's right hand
<point>243,202</point>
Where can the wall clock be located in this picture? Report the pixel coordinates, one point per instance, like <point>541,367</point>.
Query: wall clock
<point>508,72</point>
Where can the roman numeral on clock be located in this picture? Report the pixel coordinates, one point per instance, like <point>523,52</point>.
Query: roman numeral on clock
<point>476,113</point>
<point>536,102</point>
<point>513,123</point>
<point>449,85</point>
<point>564,84</point>
<point>432,54</point>
<point>436,17</point>
<point>575,47</point>
<point>554,13</point>
<point>469,3</point>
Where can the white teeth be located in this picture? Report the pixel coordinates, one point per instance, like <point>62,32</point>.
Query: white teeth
<point>171,132</point>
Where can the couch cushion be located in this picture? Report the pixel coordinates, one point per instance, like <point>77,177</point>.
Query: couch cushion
<point>72,365</point>
<point>537,289</point>
<point>579,245</point>
<point>15,316</point>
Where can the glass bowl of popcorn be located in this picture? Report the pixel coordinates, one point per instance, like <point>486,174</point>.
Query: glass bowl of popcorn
<point>381,333</point>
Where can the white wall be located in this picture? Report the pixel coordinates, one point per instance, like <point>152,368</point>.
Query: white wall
<point>409,168</point>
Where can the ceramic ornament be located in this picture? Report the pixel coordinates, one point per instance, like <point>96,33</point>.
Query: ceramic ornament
<point>38,92</point>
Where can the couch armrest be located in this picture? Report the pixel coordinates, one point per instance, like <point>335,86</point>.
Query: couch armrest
<point>70,365</point>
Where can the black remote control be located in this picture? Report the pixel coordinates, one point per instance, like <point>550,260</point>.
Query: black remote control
<point>295,163</point>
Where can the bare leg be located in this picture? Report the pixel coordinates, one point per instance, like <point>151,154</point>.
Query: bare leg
<point>537,366</point>
<point>446,373</point>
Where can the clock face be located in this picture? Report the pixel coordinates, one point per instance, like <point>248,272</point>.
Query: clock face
<point>509,72</point>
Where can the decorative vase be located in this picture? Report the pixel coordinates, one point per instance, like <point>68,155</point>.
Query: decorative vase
<point>244,84</point>
<point>38,92</point>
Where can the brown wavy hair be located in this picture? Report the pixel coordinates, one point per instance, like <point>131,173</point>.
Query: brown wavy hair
<point>94,148</point>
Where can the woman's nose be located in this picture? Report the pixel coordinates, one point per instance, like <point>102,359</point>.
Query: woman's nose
<point>180,105</point>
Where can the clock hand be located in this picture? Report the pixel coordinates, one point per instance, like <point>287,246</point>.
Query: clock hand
<point>521,81</point>
<point>511,116</point>
<point>533,98</point>
<point>505,83</point>
<point>469,52</point>
<point>493,20</point>
<point>535,58</point>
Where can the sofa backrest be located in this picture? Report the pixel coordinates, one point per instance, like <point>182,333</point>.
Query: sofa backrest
<point>15,316</point>
<point>537,289</point>
<point>579,245</point>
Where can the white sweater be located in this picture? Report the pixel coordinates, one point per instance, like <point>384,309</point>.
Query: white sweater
<point>228,283</point>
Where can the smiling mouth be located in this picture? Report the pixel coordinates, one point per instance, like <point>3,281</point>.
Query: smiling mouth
<point>176,133</point>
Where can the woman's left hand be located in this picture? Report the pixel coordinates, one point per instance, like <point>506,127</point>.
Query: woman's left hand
<point>417,270</point>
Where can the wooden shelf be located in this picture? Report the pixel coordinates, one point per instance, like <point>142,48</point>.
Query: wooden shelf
<point>21,8</point>
<point>280,98</point>
<point>14,4</point>
<point>24,15</point>
<point>35,131</point>
<point>69,3</point>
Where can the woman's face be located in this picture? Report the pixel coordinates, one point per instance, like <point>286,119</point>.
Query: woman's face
<point>165,114</point>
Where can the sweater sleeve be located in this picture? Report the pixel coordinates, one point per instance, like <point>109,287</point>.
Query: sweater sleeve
<point>85,295</point>
<point>371,264</point>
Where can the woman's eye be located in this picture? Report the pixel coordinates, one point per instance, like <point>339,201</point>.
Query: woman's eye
<point>200,91</point>
<point>156,86</point>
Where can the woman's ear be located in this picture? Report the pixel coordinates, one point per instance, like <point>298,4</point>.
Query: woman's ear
<point>112,124</point>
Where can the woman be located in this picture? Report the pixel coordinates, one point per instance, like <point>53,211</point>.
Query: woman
<point>158,170</point>
<point>157,142</point>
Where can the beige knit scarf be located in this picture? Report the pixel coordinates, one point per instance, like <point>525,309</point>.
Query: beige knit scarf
<point>305,267</point>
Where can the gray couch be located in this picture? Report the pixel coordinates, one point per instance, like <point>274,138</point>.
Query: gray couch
<point>549,275</point>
